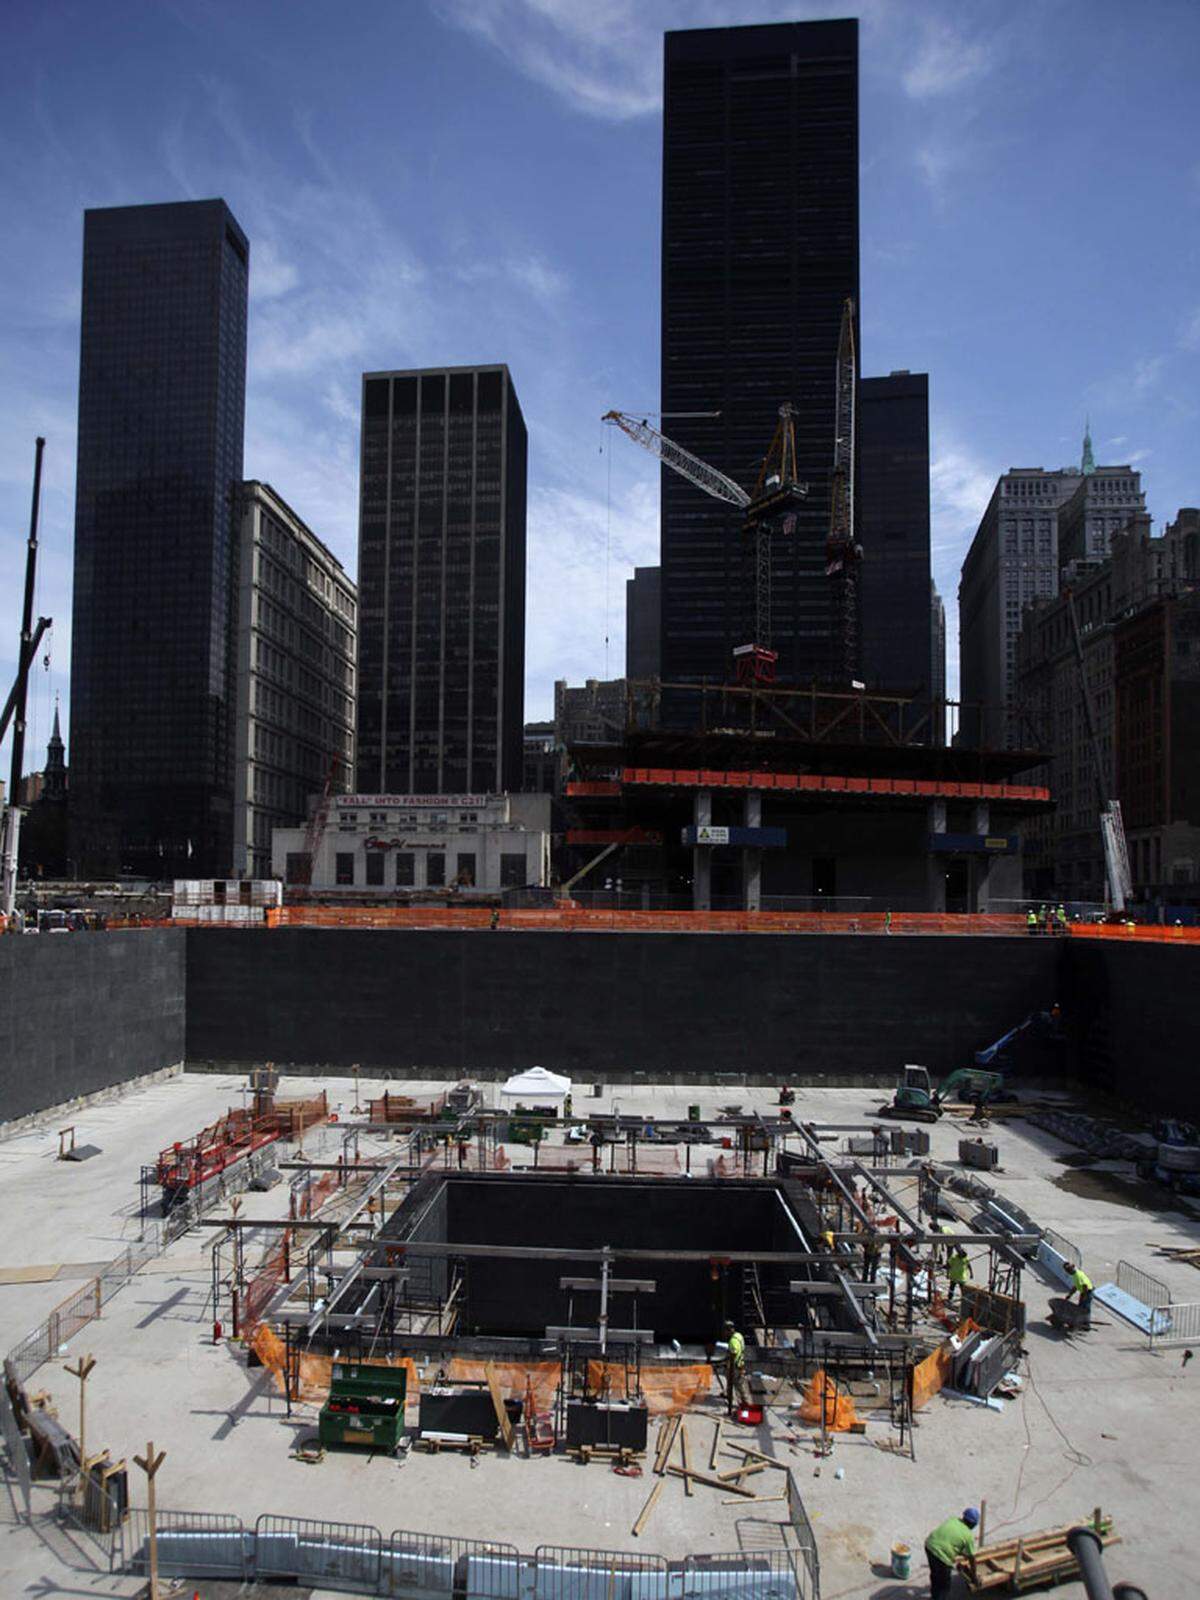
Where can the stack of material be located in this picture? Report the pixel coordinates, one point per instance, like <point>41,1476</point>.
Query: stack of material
<point>1013,1565</point>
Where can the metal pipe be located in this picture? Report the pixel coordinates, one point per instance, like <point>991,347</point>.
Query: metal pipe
<point>1087,1548</point>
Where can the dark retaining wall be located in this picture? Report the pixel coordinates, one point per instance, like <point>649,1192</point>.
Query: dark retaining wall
<point>615,1004</point>
<point>84,1011</point>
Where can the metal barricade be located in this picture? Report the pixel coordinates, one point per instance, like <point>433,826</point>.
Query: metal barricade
<point>743,1575</point>
<point>1133,1281</point>
<point>1062,1246</point>
<point>428,1566</point>
<point>1174,1324</point>
<point>806,1541</point>
<point>570,1572</point>
<point>191,1544</point>
<point>15,1447</point>
<point>335,1555</point>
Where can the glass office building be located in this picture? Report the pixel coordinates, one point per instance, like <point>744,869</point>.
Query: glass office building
<point>759,254</point>
<point>441,578</point>
<point>162,387</point>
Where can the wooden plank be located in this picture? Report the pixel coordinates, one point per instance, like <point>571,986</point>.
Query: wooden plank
<point>644,1513</point>
<point>716,1444</point>
<point>712,1483</point>
<point>746,1470</point>
<point>502,1417</point>
<point>757,1455</point>
<point>666,1443</point>
<point>683,1456</point>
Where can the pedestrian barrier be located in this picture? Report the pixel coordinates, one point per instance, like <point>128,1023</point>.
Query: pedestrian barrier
<point>1141,1286</point>
<point>1172,1324</point>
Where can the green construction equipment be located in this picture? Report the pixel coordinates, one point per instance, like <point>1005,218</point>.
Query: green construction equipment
<point>917,1099</point>
<point>365,1407</point>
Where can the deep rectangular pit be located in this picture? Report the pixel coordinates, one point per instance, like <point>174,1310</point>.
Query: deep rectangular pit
<point>520,1298</point>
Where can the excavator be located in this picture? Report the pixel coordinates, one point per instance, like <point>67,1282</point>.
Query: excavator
<point>981,1084</point>
<point>915,1096</point>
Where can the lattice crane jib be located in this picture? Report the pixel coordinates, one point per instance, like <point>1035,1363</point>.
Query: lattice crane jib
<point>680,460</point>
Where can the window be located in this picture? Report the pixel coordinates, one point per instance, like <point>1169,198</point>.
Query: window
<point>435,869</point>
<point>345,867</point>
<point>512,870</point>
<point>375,868</point>
<point>405,873</point>
<point>465,876</point>
<point>296,870</point>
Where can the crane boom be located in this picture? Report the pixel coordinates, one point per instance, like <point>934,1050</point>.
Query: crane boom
<point>842,554</point>
<point>680,460</point>
<point>1112,826</point>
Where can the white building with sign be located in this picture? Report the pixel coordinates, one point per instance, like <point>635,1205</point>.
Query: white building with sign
<point>392,843</point>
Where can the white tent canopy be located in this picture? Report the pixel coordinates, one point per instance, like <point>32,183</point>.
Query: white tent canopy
<point>537,1084</point>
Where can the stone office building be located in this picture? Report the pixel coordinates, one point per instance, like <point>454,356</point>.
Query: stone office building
<point>390,845</point>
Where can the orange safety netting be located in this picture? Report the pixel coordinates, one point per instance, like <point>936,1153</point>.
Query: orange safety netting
<point>931,1375</point>
<point>822,1395</point>
<point>667,1389</point>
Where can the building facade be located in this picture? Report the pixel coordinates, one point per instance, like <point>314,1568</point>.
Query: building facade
<point>1038,527</point>
<point>545,760</point>
<point>162,385</point>
<point>394,845</point>
<point>594,713</point>
<point>643,623</point>
<point>1138,614</point>
<point>441,572</point>
<point>893,529</point>
<point>759,255</point>
<point>296,675</point>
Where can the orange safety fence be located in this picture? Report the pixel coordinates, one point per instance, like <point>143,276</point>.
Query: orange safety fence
<point>823,1395</point>
<point>1144,932</point>
<point>931,1375</point>
<point>667,1389</point>
<point>580,919</point>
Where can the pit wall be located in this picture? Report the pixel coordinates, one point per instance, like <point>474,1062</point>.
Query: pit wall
<point>84,1012</point>
<point>81,1013</point>
<point>597,1005</point>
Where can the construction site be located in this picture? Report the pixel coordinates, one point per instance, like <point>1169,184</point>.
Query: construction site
<point>533,1336</point>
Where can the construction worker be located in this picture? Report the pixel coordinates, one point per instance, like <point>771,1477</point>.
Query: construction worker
<point>950,1543</point>
<point>1061,919</point>
<point>1081,1285</point>
<point>959,1270</point>
<point>1031,921</point>
<point>735,1366</point>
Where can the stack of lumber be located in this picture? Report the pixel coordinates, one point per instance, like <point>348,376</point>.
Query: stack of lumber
<point>1013,1565</point>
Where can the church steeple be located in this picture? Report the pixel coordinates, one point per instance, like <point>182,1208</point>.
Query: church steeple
<point>1088,465</point>
<point>55,783</point>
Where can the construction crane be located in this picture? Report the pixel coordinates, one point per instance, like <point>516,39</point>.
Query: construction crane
<point>317,824</point>
<point>842,552</point>
<point>1112,826</point>
<point>771,505</point>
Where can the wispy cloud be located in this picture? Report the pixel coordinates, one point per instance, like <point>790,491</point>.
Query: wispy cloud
<point>1189,337</point>
<point>945,61</point>
<point>604,59</point>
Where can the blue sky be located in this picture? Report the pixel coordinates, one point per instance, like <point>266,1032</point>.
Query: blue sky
<point>429,181</point>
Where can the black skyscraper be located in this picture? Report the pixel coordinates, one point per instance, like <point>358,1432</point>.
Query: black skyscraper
<point>162,388</point>
<point>760,251</point>
<point>441,579</point>
<point>893,528</point>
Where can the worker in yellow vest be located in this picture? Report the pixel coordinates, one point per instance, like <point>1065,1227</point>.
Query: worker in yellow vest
<point>959,1270</point>
<point>1081,1285</point>
<point>735,1367</point>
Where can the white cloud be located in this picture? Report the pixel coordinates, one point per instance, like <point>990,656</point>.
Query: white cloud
<point>945,61</point>
<point>271,275</point>
<point>960,486</point>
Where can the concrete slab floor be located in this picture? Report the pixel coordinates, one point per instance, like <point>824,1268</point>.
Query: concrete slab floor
<point>1101,1420</point>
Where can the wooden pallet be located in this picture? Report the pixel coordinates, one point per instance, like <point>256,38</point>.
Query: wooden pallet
<point>1014,1565</point>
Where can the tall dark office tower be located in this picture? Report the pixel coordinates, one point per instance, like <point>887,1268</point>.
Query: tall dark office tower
<point>643,621</point>
<point>162,392</point>
<point>441,576</point>
<point>893,528</point>
<point>759,254</point>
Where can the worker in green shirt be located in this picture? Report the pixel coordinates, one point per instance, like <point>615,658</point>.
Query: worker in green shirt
<point>1031,921</point>
<point>735,1366</point>
<point>959,1270</point>
<point>1081,1285</point>
<point>949,1543</point>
